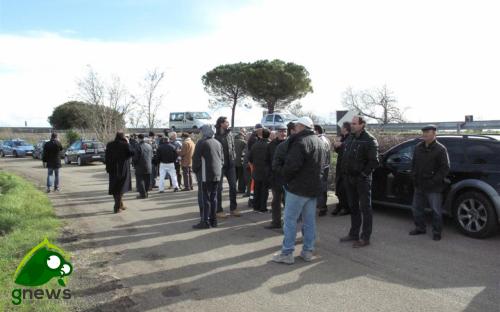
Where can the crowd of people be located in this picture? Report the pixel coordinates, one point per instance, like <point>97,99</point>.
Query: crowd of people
<point>292,162</point>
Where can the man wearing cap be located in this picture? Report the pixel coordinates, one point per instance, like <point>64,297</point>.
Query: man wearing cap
<point>302,174</point>
<point>142,159</point>
<point>359,160</point>
<point>276,178</point>
<point>258,157</point>
<point>254,137</point>
<point>240,146</point>
<point>323,198</point>
<point>430,166</point>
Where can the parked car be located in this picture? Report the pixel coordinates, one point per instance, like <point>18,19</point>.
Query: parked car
<point>38,151</point>
<point>472,197</point>
<point>84,152</point>
<point>276,119</point>
<point>16,148</point>
<point>188,120</point>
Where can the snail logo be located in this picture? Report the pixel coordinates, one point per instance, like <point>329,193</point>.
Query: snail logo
<point>43,263</point>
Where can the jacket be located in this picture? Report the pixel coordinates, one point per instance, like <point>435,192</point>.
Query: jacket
<point>208,159</point>
<point>360,155</point>
<point>187,152</point>
<point>340,151</point>
<point>239,148</point>
<point>259,158</point>
<point>51,154</point>
<point>117,159</point>
<point>302,169</point>
<point>142,159</point>
<point>430,166</point>
<point>227,141</point>
<point>166,153</point>
<point>276,177</point>
<point>326,151</point>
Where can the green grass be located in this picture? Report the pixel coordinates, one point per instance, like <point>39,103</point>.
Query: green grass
<point>26,218</point>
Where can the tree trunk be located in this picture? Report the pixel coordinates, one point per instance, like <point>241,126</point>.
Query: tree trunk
<point>233,110</point>
<point>270,107</point>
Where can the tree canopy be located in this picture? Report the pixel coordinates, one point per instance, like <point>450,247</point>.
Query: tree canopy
<point>70,115</point>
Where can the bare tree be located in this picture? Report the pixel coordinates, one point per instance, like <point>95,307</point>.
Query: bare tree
<point>378,104</point>
<point>297,109</point>
<point>152,98</point>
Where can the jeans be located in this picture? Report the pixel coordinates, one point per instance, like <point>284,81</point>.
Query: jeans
<point>142,183</point>
<point>209,201</point>
<point>56,179</point>
<point>230,174</point>
<point>359,195</point>
<point>296,205</point>
<point>420,200</point>
<point>170,169</point>
<point>188,178</point>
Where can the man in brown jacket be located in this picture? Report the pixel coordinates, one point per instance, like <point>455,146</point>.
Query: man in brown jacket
<point>186,154</point>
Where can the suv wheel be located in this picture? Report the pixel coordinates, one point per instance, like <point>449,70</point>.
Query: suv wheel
<point>15,154</point>
<point>474,215</point>
<point>66,160</point>
<point>2,154</point>
<point>79,161</point>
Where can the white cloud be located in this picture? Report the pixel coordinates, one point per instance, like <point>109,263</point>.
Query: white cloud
<point>439,57</point>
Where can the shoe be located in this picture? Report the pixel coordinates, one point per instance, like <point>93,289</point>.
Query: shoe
<point>201,225</point>
<point>344,212</point>
<point>213,223</point>
<point>185,190</point>
<point>48,190</point>
<point>336,211</point>
<point>221,215</point>
<point>322,213</point>
<point>192,188</point>
<point>360,243</point>
<point>347,238</point>
<point>281,258</point>
<point>235,213</point>
<point>162,191</point>
<point>176,190</point>
<point>140,197</point>
<point>245,195</point>
<point>417,232</point>
<point>307,256</point>
<point>272,226</point>
<point>436,237</point>
<point>57,189</point>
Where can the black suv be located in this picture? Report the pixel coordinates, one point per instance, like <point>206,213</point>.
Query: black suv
<point>85,151</point>
<point>472,198</point>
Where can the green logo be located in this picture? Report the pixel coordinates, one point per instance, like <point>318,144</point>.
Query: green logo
<point>43,263</point>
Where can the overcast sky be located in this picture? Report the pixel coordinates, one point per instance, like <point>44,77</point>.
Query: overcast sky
<point>441,58</point>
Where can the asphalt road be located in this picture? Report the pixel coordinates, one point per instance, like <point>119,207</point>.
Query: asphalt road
<point>149,259</point>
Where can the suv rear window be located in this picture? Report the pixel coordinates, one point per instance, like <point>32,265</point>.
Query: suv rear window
<point>455,148</point>
<point>480,153</point>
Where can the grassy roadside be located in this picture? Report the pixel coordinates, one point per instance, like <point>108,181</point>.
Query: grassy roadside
<point>26,218</point>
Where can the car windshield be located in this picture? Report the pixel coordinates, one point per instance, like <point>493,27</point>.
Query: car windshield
<point>200,115</point>
<point>20,143</point>
<point>289,117</point>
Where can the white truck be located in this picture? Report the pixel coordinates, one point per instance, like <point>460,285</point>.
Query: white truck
<point>188,120</point>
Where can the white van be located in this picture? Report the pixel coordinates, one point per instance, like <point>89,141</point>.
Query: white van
<point>188,120</point>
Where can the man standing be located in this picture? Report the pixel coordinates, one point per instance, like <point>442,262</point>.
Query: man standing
<point>325,170</point>
<point>208,160</point>
<point>154,167</point>
<point>143,156</point>
<point>430,166</point>
<point>223,135</point>
<point>166,157</point>
<point>240,145</point>
<point>51,156</point>
<point>342,207</point>
<point>186,154</point>
<point>302,173</point>
<point>276,179</point>
<point>258,158</point>
<point>359,160</point>
<point>254,137</point>
<point>177,146</point>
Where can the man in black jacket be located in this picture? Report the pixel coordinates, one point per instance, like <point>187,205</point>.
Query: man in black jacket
<point>166,157</point>
<point>208,160</point>
<point>51,156</point>
<point>258,158</point>
<point>342,207</point>
<point>302,174</point>
<point>142,163</point>
<point>430,166</point>
<point>359,160</point>
<point>224,136</point>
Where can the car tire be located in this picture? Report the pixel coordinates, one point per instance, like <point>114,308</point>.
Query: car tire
<point>15,154</point>
<point>79,161</point>
<point>474,215</point>
<point>66,160</point>
<point>2,154</point>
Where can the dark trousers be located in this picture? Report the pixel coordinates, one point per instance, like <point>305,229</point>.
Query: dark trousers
<point>178,173</point>
<point>278,199</point>
<point>341,193</point>
<point>118,202</point>
<point>188,178</point>
<point>420,201</point>
<point>154,174</point>
<point>200,195</point>
<point>261,194</point>
<point>142,182</point>
<point>360,202</point>
<point>247,172</point>
<point>209,201</point>
<point>230,174</point>
<point>240,177</point>
<point>323,197</point>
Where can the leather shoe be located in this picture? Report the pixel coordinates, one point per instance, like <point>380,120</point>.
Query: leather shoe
<point>344,212</point>
<point>436,237</point>
<point>347,238</point>
<point>361,243</point>
<point>322,213</point>
<point>201,225</point>
<point>417,232</point>
<point>272,226</point>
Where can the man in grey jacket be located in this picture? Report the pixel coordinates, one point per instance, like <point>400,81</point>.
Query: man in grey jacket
<point>142,161</point>
<point>208,160</point>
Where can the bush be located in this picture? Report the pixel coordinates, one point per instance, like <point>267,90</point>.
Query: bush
<point>72,136</point>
